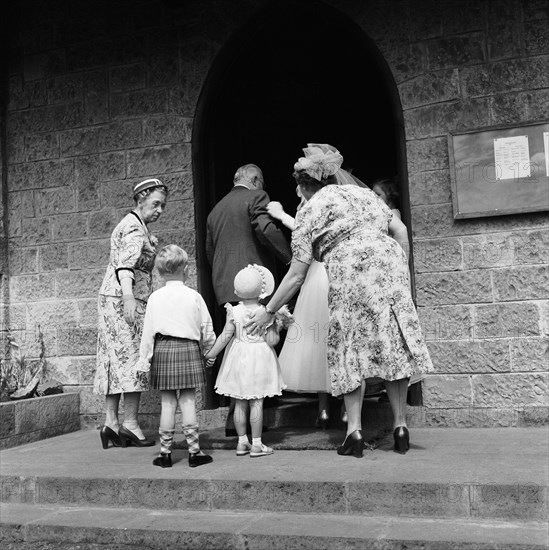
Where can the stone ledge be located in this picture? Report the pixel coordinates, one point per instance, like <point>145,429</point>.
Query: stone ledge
<point>38,418</point>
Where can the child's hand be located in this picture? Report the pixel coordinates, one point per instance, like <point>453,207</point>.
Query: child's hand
<point>209,360</point>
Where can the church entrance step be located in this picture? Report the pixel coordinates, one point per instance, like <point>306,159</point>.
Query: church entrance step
<point>470,474</point>
<point>141,529</point>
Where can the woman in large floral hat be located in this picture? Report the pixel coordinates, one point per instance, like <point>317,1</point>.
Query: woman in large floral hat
<point>373,328</point>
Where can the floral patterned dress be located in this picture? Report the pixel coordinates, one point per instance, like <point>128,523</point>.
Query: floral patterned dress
<point>374,328</point>
<point>117,341</point>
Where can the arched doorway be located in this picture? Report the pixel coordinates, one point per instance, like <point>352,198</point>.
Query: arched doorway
<point>297,72</point>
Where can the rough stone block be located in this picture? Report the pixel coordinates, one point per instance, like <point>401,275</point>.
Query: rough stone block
<point>89,254</point>
<point>447,391</point>
<point>88,55</point>
<point>531,105</point>
<point>453,288</point>
<point>65,88</point>
<point>427,154</point>
<point>405,60</point>
<point>54,201</point>
<point>18,317</point>
<point>79,284</point>
<point>531,417</point>
<point>118,194</point>
<point>438,221</point>
<point>521,283</point>
<point>446,322</point>
<point>70,227</point>
<point>87,312</point>
<point>505,76</point>
<point>67,369</point>
<point>35,231</point>
<point>7,419</point>
<point>41,146</point>
<point>103,222</point>
<point>488,251</point>
<point>437,255</point>
<point>159,160</point>
<point>536,37</point>
<point>432,87</point>
<point>55,117</point>
<point>167,129</point>
<point>139,103</point>
<point>29,288</point>
<point>430,187</point>
<point>434,120</point>
<point>42,174</point>
<point>185,239</point>
<point>478,356</point>
<point>456,51</point>
<point>462,417</point>
<point>510,320</point>
<point>463,17</point>
<point>163,70</point>
<point>53,257</point>
<point>101,139</point>
<point>77,341</point>
<point>529,354</point>
<point>535,9</point>
<point>48,314</point>
<point>505,390</point>
<point>96,97</point>
<point>531,247</point>
<point>128,77</point>
<point>112,166</point>
<point>22,260</point>
<point>503,39</point>
<point>87,173</point>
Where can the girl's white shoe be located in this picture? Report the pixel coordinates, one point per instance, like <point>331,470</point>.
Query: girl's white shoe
<point>262,450</point>
<point>243,449</point>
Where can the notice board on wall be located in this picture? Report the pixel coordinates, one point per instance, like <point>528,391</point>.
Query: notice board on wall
<point>500,170</point>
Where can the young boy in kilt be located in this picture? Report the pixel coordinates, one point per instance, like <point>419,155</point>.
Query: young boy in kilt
<point>177,331</point>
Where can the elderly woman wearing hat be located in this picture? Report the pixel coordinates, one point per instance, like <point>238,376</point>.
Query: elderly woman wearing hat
<point>122,299</point>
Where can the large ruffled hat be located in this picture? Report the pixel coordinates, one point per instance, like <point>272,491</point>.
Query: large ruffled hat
<point>254,281</point>
<point>320,161</point>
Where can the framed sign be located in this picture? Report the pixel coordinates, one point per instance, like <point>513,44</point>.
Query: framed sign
<point>500,170</point>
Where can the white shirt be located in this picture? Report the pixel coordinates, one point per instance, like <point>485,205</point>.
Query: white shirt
<point>175,310</point>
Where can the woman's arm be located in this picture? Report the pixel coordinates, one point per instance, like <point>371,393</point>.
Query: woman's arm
<point>276,211</point>
<point>398,231</point>
<point>288,287</point>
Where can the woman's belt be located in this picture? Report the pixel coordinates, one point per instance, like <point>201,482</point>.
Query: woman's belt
<point>345,236</point>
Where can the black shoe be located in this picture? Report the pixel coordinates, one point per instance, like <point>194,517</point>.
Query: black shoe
<point>128,438</point>
<point>353,445</point>
<point>164,460</point>
<point>107,435</point>
<point>198,459</point>
<point>401,435</point>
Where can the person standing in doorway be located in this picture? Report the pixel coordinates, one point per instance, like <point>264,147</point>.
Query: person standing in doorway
<point>241,232</point>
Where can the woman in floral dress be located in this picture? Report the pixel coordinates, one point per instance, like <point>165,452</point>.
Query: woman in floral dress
<point>123,296</point>
<point>374,329</point>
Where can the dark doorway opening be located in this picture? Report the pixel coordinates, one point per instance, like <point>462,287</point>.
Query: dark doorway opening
<point>297,72</point>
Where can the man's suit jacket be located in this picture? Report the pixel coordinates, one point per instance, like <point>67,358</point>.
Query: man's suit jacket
<point>241,232</point>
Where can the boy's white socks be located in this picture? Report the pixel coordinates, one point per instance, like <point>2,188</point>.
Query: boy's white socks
<point>256,441</point>
<point>243,439</point>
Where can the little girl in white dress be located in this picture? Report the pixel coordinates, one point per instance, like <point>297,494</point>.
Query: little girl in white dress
<point>250,370</point>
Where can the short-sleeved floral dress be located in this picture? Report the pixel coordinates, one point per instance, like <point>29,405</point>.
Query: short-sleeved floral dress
<point>118,342</point>
<point>374,328</point>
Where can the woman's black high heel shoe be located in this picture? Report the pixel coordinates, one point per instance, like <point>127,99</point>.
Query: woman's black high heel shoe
<point>107,435</point>
<point>323,419</point>
<point>401,436</point>
<point>353,445</point>
<point>128,438</point>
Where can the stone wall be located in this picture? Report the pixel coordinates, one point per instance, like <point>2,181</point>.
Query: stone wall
<point>103,96</point>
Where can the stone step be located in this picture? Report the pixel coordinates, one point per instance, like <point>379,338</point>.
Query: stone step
<point>471,474</point>
<point>141,529</point>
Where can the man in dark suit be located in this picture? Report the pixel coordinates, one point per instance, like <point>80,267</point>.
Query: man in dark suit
<point>241,232</point>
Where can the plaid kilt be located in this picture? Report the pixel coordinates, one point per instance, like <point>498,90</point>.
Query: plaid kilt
<point>176,364</point>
